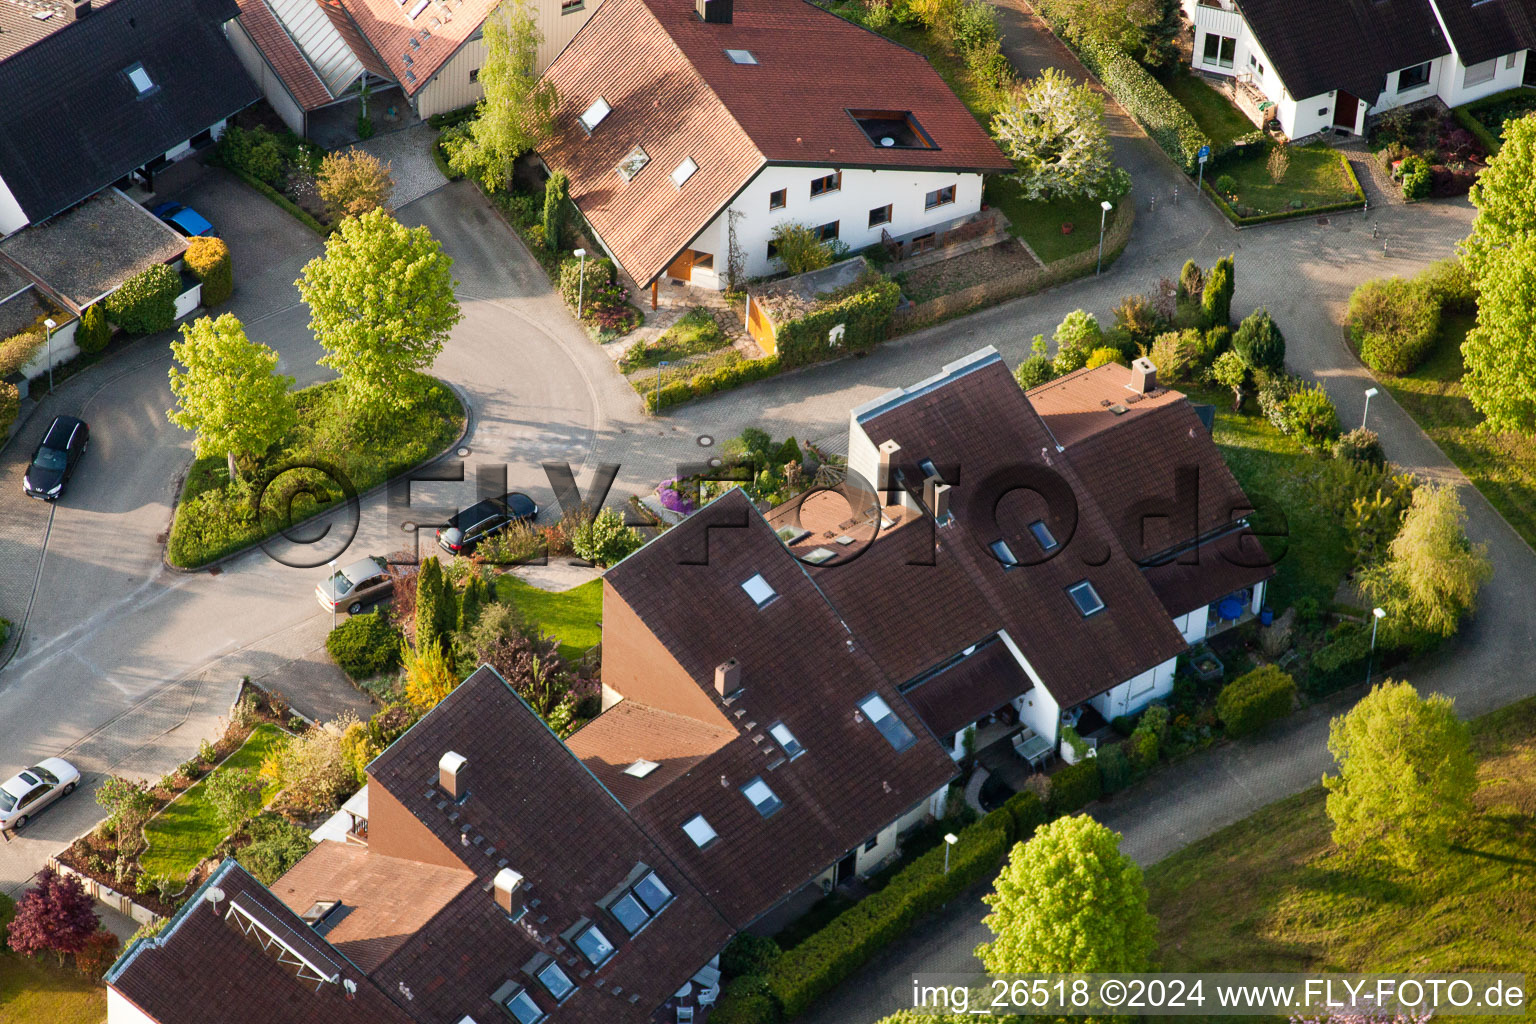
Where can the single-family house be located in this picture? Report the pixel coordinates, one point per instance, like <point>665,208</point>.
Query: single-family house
<point>97,92</point>
<point>1320,65</point>
<point>683,126</point>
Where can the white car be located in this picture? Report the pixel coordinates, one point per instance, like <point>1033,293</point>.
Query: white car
<point>32,789</point>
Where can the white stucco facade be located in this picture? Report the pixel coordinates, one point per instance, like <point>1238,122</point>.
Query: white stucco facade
<point>1134,694</point>
<point>849,207</point>
<point>11,216</point>
<point>120,1010</point>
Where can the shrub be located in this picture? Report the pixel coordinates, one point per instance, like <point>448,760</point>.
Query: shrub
<point>1176,354</point>
<point>1226,184</point>
<point>354,183</point>
<point>1310,413</point>
<point>1104,356</point>
<point>799,248</point>
<point>146,302</point>
<point>1260,342</point>
<point>1394,323</point>
<point>94,331</point>
<point>257,152</point>
<point>599,273</point>
<point>1076,336</point>
<point>1191,280</point>
<point>1165,119</point>
<point>1450,285</point>
<point>1360,445</point>
<point>10,408</point>
<point>208,259</point>
<point>1028,813</point>
<point>312,769</point>
<point>1155,719</point>
<point>709,381</point>
<point>748,954</point>
<point>18,350</point>
<point>864,310</point>
<point>1254,699</point>
<point>604,539</point>
<point>99,953</point>
<point>1114,769</point>
<point>555,191</point>
<point>990,67</point>
<point>1214,342</point>
<point>1142,748</point>
<point>1341,661</point>
<point>746,1000</point>
<point>1216,300</point>
<point>1416,178</point>
<point>1033,372</point>
<point>1075,787</point>
<point>365,646</point>
<point>277,844</point>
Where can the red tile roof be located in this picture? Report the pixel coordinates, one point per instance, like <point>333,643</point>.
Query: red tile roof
<point>673,91</point>
<point>1080,404</point>
<point>380,35</point>
<point>282,53</point>
<point>629,732</point>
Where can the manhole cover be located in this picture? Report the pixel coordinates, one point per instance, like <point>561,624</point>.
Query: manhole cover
<point>463,452</point>
<point>705,441</point>
<point>1322,220</point>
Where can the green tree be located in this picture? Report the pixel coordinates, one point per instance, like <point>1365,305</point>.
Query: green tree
<point>556,191</point>
<point>1406,774</point>
<point>1036,369</point>
<point>1432,572</point>
<point>1505,197</point>
<point>604,539</point>
<point>1500,351</point>
<point>1053,130</point>
<point>354,182</point>
<point>381,303</point>
<point>428,675</point>
<point>474,597</point>
<point>518,109</point>
<point>1216,300</point>
<point>1230,371</point>
<point>94,331</point>
<point>436,608</point>
<point>1260,342</point>
<point>229,392</point>
<point>1068,901</point>
<point>1191,281</point>
<point>1131,25</point>
<point>799,248</point>
<point>1076,336</point>
<point>236,794</point>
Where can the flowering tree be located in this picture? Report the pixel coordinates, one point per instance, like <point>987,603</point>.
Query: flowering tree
<point>57,915</point>
<point>1054,133</point>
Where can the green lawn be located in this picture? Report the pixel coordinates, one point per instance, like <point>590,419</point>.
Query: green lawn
<point>38,991</point>
<point>1212,111</point>
<point>1501,465</point>
<point>1316,177</point>
<point>188,830</point>
<point>1270,893</point>
<point>696,331</point>
<point>1277,474</point>
<point>573,617</point>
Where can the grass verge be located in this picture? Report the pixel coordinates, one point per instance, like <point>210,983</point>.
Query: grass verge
<point>1502,465</point>
<point>696,331</point>
<point>573,617</point>
<point>216,517</point>
<point>1305,907</point>
<point>39,992</point>
<point>189,829</point>
<point>1212,111</point>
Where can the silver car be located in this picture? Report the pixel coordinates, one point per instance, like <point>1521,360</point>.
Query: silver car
<point>356,585</point>
<point>32,789</point>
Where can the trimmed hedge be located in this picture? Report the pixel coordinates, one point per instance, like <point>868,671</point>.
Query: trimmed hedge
<point>1028,814</point>
<point>746,1000</point>
<point>1394,323</point>
<point>1491,139</point>
<point>364,646</point>
<point>18,350</point>
<point>1075,787</point>
<point>1162,117</point>
<point>1341,661</point>
<point>866,314</point>
<point>10,408</point>
<point>1253,700</point>
<point>208,259</point>
<point>297,212</point>
<point>1268,218</point>
<point>146,302</point>
<point>707,382</point>
<point>825,959</point>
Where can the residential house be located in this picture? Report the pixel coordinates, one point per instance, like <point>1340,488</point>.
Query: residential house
<point>682,124</point>
<point>97,92</point>
<point>784,693</point>
<point>312,54</point>
<point>1329,64</point>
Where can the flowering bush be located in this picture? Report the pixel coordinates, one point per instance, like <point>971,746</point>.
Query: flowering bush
<point>675,498</point>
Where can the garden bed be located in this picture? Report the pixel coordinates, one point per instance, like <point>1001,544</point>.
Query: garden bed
<point>1485,118</point>
<point>965,271</point>
<point>1317,180</point>
<point>696,332</point>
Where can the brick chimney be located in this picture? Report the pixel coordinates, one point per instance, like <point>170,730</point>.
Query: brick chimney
<point>714,12</point>
<point>728,679</point>
<point>79,9</point>
<point>507,885</point>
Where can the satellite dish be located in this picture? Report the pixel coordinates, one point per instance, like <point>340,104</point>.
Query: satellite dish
<point>213,896</point>
<point>887,141</point>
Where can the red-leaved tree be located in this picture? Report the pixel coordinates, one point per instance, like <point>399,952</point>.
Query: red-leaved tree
<point>57,915</point>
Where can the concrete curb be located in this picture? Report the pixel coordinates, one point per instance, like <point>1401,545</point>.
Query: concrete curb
<point>469,416</point>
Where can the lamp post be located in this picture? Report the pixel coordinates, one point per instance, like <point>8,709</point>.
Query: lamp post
<point>1105,206</point>
<point>335,595</point>
<point>1368,393</point>
<point>950,839</point>
<point>48,326</point>
<point>581,284</point>
<point>1377,615</point>
<point>659,365</point>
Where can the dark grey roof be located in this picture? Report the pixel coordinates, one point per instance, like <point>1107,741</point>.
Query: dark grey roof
<point>1484,29</point>
<point>1321,45</point>
<point>72,122</point>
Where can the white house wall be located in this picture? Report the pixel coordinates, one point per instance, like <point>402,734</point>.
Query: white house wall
<point>121,1011</point>
<point>1192,624</point>
<point>1509,73</point>
<point>1134,694</point>
<point>12,217</point>
<point>261,73</point>
<point>1392,96</point>
<point>861,192</point>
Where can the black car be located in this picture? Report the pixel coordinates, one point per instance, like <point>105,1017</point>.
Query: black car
<point>461,533</point>
<point>56,457</point>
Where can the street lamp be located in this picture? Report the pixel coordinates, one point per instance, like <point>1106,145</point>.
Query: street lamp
<point>1105,206</point>
<point>1376,616</point>
<point>659,365</point>
<point>48,326</point>
<point>581,274</point>
<point>950,839</point>
<point>335,595</point>
<point>1368,393</point>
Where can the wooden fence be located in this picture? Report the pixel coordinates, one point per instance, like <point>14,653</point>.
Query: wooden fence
<point>1025,282</point>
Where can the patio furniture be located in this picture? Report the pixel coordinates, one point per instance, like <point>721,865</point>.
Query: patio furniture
<point>1032,748</point>
<point>685,1015</point>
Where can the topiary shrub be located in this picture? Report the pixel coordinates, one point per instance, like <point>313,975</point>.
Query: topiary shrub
<point>146,302</point>
<point>1033,372</point>
<point>1259,342</point>
<point>1394,323</point>
<point>365,646</point>
<point>1075,787</point>
<point>1360,445</point>
<point>208,259</point>
<point>1216,299</point>
<point>1253,700</point>
<point>748,954</point>
<point>1309,412</point>
<point>93,331</point>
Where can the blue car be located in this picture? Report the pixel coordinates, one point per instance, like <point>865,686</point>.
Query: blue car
<point>185,220</point>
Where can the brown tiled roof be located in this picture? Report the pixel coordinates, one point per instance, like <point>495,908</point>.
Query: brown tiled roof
<point>388,29</point>
<point>534,808</point>
<point>970,689</point>
<point>799,665</point>
<point>282,53</point>
<point>202,967</point>
<point>630,731</point>
<point>1080,404</point>
<point>384,900</point>
<point>673,91</point>
<point>342,18</point>
<point>1209,572</point>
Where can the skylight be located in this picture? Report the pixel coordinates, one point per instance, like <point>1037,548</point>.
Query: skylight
<point>140,79</point>
<point>594,114</point>
<point>420,6</point>
<point>1086,598</point>
<point>892,728</point>
<point>594,945</point>
<point>741,56</point>
<point>1003,553</point>
<point>759,590</point>
<point>641,768</point>
<point>684,171</point>
<point>699,830</point>
<point>523,1009</point>
<point>761,796</point>
<point>555,981</point>
<point>632,163</point>
<point>786,739</point>
<point>1043,535</point>
<point>635,907</point>
<point>892,129</point>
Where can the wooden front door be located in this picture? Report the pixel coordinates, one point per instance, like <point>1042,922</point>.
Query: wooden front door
<point>1344,110</point>
<point>682,267</point>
